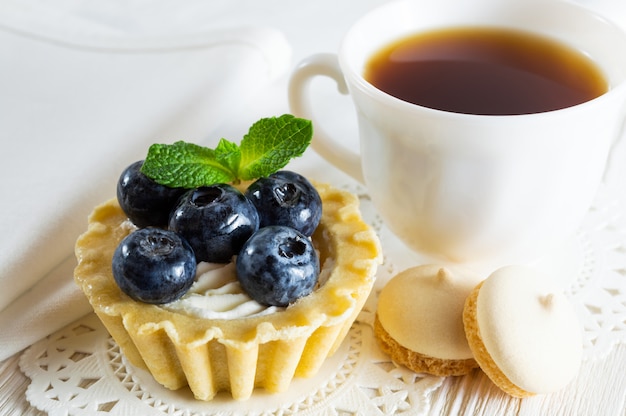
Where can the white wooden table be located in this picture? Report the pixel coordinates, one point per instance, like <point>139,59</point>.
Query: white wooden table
<point>600,389</point>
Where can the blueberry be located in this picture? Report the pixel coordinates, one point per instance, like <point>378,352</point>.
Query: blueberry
<point>144,201</point>
<point>277,266</point>
<point>216,220</point>
<point>286,198</point>
<point>153,265</point>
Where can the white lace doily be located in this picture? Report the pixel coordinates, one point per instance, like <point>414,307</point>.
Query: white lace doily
<point>81,371</point>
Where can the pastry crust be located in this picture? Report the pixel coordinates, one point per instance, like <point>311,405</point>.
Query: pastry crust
<point>235,355</point>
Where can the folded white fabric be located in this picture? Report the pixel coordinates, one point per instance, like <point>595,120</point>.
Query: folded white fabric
<point>84,93</point>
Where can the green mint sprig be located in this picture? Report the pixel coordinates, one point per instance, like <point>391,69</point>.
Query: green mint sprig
<point>269,145</point>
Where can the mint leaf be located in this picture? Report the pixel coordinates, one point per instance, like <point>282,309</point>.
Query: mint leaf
<point>185,165</point>
<point>228,154</point>
<point>271,143</point>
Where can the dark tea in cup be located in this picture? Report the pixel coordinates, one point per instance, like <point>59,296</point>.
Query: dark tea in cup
<point>504,184</point>
<point>487,71</point>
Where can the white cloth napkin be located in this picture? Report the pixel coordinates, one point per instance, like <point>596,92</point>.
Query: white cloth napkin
<point>86,87</point>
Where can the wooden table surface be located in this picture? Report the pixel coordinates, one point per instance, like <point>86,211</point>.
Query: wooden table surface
<point>599,390</point>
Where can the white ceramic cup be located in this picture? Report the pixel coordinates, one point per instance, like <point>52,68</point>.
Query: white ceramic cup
<point>472,188</point>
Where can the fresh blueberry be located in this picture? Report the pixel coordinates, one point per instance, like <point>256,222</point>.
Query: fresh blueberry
<point>144,201</point>
<point>286,198</point>
<point>216,220</point>
<point>153,265</point>
<point>277,266</point>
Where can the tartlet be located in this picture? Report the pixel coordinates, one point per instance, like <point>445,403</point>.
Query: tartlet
<point>236,355</point>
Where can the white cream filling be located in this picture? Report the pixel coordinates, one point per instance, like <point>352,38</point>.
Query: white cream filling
<point>217,294</point>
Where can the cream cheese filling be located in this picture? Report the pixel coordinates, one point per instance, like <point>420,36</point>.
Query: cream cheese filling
<point>217,294</point>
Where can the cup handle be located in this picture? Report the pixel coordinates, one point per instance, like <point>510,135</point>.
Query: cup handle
<point>329,148</point>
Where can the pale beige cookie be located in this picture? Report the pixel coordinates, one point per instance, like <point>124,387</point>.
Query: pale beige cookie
<point>524,334</point>
<point>419,320</point>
